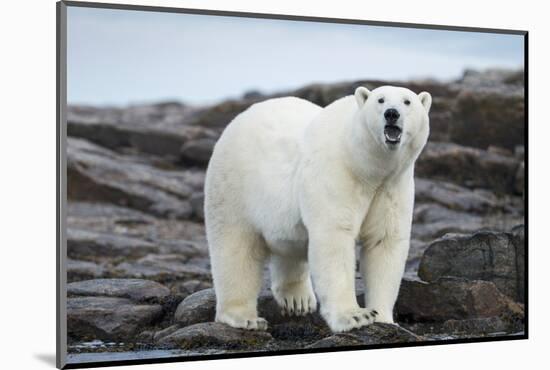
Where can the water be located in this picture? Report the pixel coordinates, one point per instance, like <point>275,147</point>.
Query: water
<point>99,351</point>
<point>79,358</point>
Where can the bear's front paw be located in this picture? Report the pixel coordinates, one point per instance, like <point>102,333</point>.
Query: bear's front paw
<point>298,300</point>
<point>350,319</point>
<point>250,323</point>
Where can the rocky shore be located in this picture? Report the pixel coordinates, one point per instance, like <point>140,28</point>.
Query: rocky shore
<point>138,268</point>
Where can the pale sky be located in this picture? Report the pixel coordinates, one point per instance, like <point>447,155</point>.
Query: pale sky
<point>119,57</point>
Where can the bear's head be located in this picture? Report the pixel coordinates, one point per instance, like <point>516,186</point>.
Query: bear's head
<point>394,116</point>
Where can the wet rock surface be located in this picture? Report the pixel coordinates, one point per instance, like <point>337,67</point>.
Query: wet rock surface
<point>138,269</point>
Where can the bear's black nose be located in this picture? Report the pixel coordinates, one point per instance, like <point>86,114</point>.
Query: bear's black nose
<point>391,115</point>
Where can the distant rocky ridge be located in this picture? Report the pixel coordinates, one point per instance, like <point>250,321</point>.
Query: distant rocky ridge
<point>138,265</point>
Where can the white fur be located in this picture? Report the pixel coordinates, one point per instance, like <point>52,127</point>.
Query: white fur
<point>297,185</point>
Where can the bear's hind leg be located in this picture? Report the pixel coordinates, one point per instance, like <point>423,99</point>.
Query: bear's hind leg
<point>291,285</point>
<point>237,256</point>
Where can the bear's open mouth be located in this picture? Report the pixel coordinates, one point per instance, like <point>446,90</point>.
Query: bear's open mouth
<point>392,133</point>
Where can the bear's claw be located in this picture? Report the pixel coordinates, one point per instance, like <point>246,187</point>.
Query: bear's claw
<point>296,303</point>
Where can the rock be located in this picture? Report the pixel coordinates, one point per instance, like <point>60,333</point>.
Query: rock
<point>455,197</point>
<point>416,250</point>
<point>338,340</point>
<point>492,149</point>
<point>108,218</point>
<point>196,308</point>
<point>485,255</point>
<point>519,183</point>
<point>174,233</point>
<point>468,328</point>
<point>219,115</point>
<point>484,118</point>
<point>453,298</point>
<point>100,175</point>
<point>298,329</point>
<point>476,326</point>
<point>134,289</point>
<point>157,336</point>
<point>91,245</point>
<point>502,81</point>
<point>170,235</point>
<point>158,129</point>
<point>197,203</point>
<point>432,221</point>
<point>83,270</point>
<point>518,239</point>
<point>162,268</point>
<point>188,287</point>
<point>376,333</point>
<point>519,152</point>
<point>184,248</point>
<point>145,336</point>
<point>427,213</point>
<point>471,167</point>
<point>379,333</point>
<point>217,335</point>
<point>108,318</point>
<point>197,151</point>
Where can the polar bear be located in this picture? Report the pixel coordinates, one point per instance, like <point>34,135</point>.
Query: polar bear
<point>297,185</point>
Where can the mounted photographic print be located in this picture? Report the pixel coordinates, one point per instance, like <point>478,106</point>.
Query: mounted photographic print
<point>235,184</point>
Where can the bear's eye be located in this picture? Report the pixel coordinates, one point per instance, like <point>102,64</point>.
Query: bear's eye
<point>407,102</point>
<point>381,100</point>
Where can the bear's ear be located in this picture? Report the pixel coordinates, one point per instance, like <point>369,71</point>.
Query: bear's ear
<point>361,95</point>
<point>426,100</point>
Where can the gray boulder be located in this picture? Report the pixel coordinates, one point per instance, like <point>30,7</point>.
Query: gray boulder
<point>163,267</point>
<point>91,245</point>
<point>338,340</point>
<point>453,298</point>
<point>134,289</point>
<point>214,335</point>
<point>197,151</point>
<point>100,175</point>
<point>455,197</point>
<point>197,203</point>
<point>108,318</point>
<point>197,307</point>
<point>498,257</point>
<point>83,270</point>
<point>468,166</point>
<point>484,118</point>
<point>153,129</point>
<point>376,333</point>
